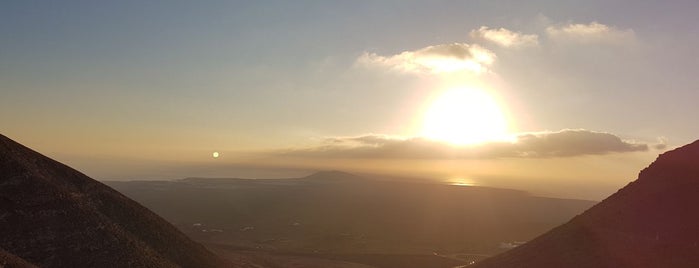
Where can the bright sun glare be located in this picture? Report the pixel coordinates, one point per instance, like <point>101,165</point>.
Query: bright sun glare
<point>464,116</point>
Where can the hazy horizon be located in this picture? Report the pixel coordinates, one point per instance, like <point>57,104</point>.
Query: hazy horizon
<point>556,98</point>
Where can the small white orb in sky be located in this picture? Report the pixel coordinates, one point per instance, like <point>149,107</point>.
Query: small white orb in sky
<point>215,154</point>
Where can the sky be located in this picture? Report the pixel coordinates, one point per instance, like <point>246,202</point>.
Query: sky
<point>560,98</point>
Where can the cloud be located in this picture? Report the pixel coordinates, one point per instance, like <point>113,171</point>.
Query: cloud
<point>574,142</point>
<point>662,143</point>
<point>444,58</point>
<point>593,32</point>
<point>564,143</point>
<point>505,38</point>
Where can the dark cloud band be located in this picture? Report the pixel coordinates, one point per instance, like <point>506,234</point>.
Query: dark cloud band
<point>564,143</point>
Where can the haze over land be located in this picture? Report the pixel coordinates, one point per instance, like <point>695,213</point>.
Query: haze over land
<point>55,216</point>
<point>344,214</point>
<point>545,97</point>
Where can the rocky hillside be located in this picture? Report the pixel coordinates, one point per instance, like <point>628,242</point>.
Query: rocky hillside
<point>54,216</point>
<point>652,222</point>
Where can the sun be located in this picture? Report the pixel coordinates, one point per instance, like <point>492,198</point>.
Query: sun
<point>464,116</point>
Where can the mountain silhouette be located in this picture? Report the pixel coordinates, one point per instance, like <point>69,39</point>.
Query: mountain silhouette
<point>332,175</point>
<point>54,216</point>
<point>651,222</point>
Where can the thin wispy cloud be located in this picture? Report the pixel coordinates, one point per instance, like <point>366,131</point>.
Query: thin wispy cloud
<point>476,59</point>
<point>443,58</point>
<point>593,32</point>
<point>504,37</point>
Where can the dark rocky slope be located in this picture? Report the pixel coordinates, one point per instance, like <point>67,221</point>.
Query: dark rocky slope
<point>9,260</point>
<point>652,222</point>
<point>54,216</point>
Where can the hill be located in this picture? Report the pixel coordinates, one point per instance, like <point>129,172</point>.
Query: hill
<point>54,216</point>
<point>652,222</point>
